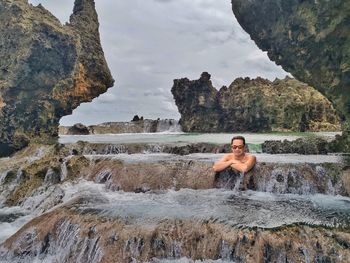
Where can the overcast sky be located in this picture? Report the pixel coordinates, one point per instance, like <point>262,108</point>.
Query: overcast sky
<point>149,43</point>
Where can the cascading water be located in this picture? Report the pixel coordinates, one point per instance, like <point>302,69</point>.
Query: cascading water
<point>238,182</point>
<point>168,126</point>
<point>157,207</point>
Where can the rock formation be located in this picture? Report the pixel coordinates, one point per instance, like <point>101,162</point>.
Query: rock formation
<point>78,129</point>
<point>312,145</point>
<point>135,126</point>
<point>310,39</point>
<point>255,105</point>
<point>75,234</point>
<point>46,70</point>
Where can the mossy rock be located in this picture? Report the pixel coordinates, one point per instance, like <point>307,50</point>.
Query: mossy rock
<point>10,176</point>
<point>23,190</point>
<point>76,165</point>
<point>33,176</point>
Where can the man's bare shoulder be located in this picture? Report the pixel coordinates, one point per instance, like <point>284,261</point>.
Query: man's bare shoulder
<point>250,156</point>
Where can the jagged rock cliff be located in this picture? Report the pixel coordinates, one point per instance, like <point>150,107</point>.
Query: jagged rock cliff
<point>46,70</point>
<point>252,105</point>
<point>310,39</point>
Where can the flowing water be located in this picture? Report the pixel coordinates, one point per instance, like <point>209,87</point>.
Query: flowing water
<point>229,207</point>
<point>176,137</point>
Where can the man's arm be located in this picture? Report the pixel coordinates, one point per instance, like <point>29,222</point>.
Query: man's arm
<point>222,164</point>
<point>245,166</point>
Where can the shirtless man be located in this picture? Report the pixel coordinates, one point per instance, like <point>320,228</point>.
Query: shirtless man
<point>238,159</point>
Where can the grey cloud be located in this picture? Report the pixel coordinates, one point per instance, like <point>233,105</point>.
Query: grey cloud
<point>163,1</point>
<point>149,43</point>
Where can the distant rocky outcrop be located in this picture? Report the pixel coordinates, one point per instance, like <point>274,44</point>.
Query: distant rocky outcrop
<point>46,70</point>
<point>78,129</point>
<point>137,125</point>
<point>301,146</point>
<point>310,39</point>
<point>255,105</point>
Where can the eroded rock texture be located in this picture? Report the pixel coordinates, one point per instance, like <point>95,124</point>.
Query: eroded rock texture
<point>22,177</point>
<point>73,234</point>
<point>46,70</point>
<point>252,105</point>
<point>310,39</point>
<point>168,209</point>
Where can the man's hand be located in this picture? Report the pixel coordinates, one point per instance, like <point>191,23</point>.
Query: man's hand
<point>244,166</point>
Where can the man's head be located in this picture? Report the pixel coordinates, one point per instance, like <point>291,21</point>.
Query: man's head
<point>238,145</point>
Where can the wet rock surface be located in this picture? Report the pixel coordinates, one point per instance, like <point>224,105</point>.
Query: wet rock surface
<point>122,207</point>
<point>252,105</point>
<point>46,70</point>
<point>22,176</point>
<point>77,232</point>
<point>131,148</point>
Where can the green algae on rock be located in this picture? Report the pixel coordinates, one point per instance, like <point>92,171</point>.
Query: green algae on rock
<point>46,70</point>
<point>255,105</point>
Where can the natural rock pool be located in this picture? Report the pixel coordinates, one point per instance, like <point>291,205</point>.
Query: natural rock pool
<point>94,202</point>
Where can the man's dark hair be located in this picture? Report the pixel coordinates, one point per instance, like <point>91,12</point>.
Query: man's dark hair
<point>238,138</point>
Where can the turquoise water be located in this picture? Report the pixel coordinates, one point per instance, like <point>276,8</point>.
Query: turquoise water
<point>220,138</point>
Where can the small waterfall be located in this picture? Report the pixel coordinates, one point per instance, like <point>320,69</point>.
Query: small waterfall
<point>238,182</point>
<point>64,171</point>
<point>168,125</point>
<point>154,148</point>
<point>103,176</point>
<point>226,250</point>
<point>3,177</point>
<point>229,179</point>
<point>8,182</point>
<point>43,199</point>
<point>133,247</point>
<point>61,249</point>
<point>303,180</point>
<point>52,177</point>
<point>106,149</point>
<point>149,126</point>
<point>37,155</point>
<point>115,149</point>
<point>19,176</point>
<point>175,249</point>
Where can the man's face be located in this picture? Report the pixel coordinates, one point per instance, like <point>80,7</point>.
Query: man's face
<point>237,147</point>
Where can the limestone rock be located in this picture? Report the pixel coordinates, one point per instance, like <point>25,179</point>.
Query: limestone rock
<point>134,126</point>
<point>71,234</point>
<point>46,70</point>
<point>78,129</point>
<point>254,105</point>
<point>300,146</point>
<point>310,39</point>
